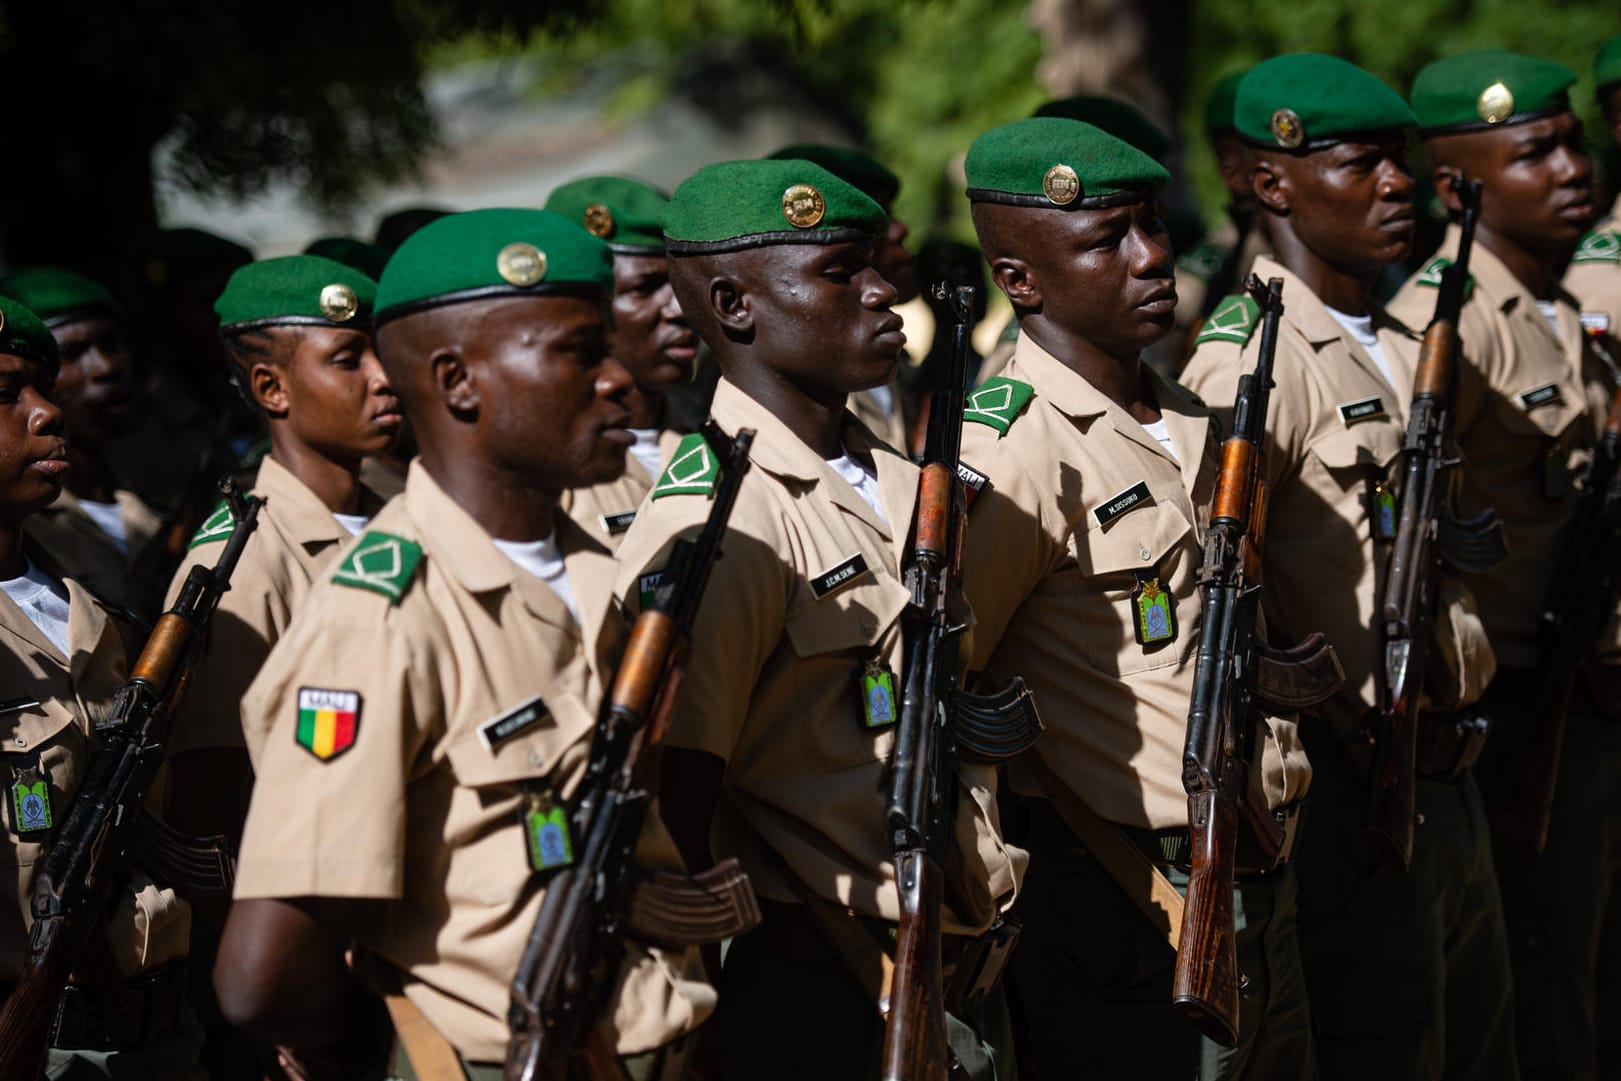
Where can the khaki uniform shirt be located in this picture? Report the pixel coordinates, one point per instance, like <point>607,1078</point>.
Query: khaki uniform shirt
<point>1335,428</point>
<point>1522,426</point>
<point>1594,277</point>
<point>606,510</point>
<point>806,592</point>
<point>418,804</point>
<point>51,704</point>
<point>1051,586</point>
<point>296,540</point>
<point>85,551</point>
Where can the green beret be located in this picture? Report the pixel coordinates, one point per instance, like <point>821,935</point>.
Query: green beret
<point>22,334</point>
<point>1607,68</point>
<point>1115,117</point>
<point>1306,101</point>
<point>395,227</point>
<point>1487,88</point>
<point>56,295</point>
<point>1218,104</point>
<point>851,166</point>
<point>625,213</point>
<point>181,256</point>
<point>364,257</point>
<point>732,205</point>
<point>488,254</point>
<point>295,290</point>
<point>1048,162</point>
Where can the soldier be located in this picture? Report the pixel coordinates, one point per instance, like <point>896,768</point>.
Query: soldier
<point>63,658</point>
<point>446,675</point>
<point>651,339</point>
<point>1328,156</point>
<point>1526,398</point>
<point>1097,475</point>
<point>297,331</point>
<point>103,534</point>
<point>772,754</point>
<point>1594,277</point>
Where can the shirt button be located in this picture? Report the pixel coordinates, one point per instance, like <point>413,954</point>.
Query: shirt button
<point>535,759</point>
<point>869,627</point>
<point>22,741</point>
<point>1144,553</point>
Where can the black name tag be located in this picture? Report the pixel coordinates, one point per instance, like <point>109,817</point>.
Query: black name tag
<point>1541,396</point>
<point>615,524</point>
<point>839,576</point>
<point>1351,412</point>
<point>973,481</point>
<point>1116,505</point>
<point>514,721</point>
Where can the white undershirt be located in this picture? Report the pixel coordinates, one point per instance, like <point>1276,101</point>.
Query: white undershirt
<point>353,523</point>
<point>544,560</point>
<point>884,398</point>
<point>44,600</point>
<point>865,483</point>
<point>1162,435</point>
<point>1360,328</point>
<point>110,517</point>
<point>646,449</point>
<point>1551,314</point>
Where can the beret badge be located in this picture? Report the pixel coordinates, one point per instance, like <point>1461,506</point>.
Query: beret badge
<point>1061,185</point>
<point>1495,104</point>
<point>599,221</point>
<point>1287,129</point>
<point>339,303</point>
<point>803,206</point>
<point>521,264</point>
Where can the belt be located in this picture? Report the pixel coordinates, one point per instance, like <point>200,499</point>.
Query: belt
<point>156,1007</point>
<point>1173,846</point>
<point>1449,744</point>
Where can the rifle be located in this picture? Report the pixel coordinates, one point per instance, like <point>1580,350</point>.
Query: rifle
<point>1235,674</point>
<point>568,965</point>
<point>1429,539</point>
<point>1581,598</point>
<point>107,825</point>
<point>939,724</point>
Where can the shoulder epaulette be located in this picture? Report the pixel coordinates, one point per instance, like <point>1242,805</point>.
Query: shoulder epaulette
<point>1430,276</point>
<point>693,469</point>
<point>1599,246</point>
<point>382,563</point>
<point>1203,261</point>
<point>1234,320</point>
<point>217,526</point>
<point>997,402</point>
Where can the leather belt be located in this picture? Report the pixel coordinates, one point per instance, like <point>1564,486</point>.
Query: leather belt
<point>1173,846</point>
<point>155,1008</point>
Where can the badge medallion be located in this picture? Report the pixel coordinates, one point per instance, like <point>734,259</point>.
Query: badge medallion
<point>521,264</point>
<point>1495,104</point>
<point>546,833</point>
<point>31,813</point>
<point>1287,129</point>
<point>599,221</point>
<point>1061,185</point>
<point>877,694</point>
<point>803,206</point>
<point>328,721</point>
<point>1381,510</point>
<point>1154,620</point>
<point>339,303</point>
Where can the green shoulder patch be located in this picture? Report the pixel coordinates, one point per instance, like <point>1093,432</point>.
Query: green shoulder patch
<point>1430,276</point>
<point>1599,246</point>
<point>997,402</point>
<point>693,469</point>
<point>1203,260</point>
<point>382,563</point>
<point>217,526</point>
<point>1234,320</point>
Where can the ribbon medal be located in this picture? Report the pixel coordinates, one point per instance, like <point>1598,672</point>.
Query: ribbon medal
<point>1154,620</point>
<point>877,695</point>
<point>545,830</point>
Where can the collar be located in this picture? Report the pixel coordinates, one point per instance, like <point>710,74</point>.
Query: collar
<point>1496,281</point>
<point>296,507</point>
<point>1310,317</point>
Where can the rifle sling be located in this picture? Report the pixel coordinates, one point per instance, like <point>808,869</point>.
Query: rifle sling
<point>1136,875</point>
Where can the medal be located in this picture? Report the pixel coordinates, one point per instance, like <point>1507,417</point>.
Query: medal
<point>546,832</point>
<point>30,799</point>
<point>1153,619</point>
<point>877,685</point>
<point>1381,509</point>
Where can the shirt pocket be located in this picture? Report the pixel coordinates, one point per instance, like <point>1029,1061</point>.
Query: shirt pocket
<point>1154,543</point>
<point>527,742</point>
<point>48,736</point>
<point>1343,468</point>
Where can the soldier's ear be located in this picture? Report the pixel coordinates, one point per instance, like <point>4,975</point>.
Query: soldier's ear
<point>453,381</point>
<point>1014,278</point>
<point>731,306</point>
<point>1270,184</point>
<point>268,385</point>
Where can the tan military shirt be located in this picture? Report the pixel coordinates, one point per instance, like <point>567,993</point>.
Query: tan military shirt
<point>296,541</point>
<point>1080,507</point>
<point>1522,429</point>
<point>49,706</point>
<point>807,591</point>
<point>85,551</point>
<point>407,718</point>
<point>1335,429</point>
<point>606,510</point>
<point>1594,277</point>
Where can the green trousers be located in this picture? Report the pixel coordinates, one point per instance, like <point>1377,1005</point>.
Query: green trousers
<point>1090,982</point>
<point>1564,907</point>
<point>1408,973</point>
<point>172,1058</point>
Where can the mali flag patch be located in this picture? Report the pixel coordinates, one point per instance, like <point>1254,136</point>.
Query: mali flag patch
<point>328,721</point>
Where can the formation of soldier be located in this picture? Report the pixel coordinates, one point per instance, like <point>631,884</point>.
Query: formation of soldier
<point>474,480</point>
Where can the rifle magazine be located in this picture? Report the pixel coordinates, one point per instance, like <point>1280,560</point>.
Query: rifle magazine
<point>995,727</point>
<point>1300,677</point>
<point>675,911</point>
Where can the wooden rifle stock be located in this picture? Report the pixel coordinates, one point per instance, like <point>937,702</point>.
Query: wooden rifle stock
<point>917,996</point>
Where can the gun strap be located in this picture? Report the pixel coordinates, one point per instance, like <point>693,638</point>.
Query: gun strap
<point>432,1056</point>
<point>1132,871</point>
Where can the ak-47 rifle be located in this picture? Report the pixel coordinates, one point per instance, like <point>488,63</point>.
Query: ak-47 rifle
<point>569,963</point>
<point>108,827</point>
<point>1234,675</point>
<point>1429,539</point>
<point>939,724</point>
<point>1581,599</point>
